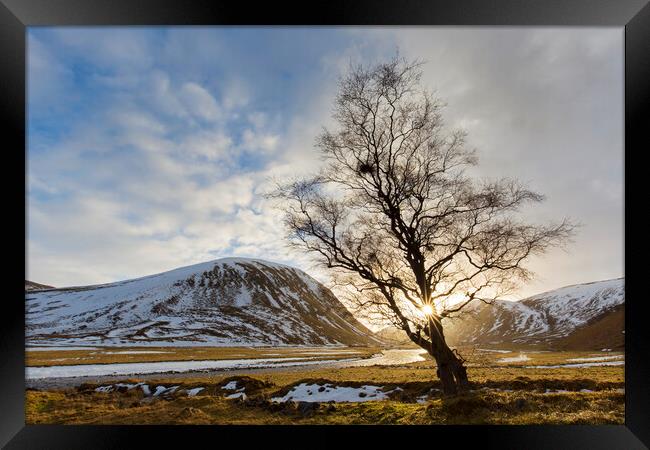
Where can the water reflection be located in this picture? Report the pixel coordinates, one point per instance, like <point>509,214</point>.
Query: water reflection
<point>394,357</point>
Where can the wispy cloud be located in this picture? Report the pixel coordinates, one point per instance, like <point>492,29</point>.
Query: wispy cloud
<point>149,147</point>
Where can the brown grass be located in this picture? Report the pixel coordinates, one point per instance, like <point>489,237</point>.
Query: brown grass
<point>605,407</point>
<point>489,402</point>
<point>102,355</point>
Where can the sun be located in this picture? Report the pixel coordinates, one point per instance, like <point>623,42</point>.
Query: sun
<point>427,310</point>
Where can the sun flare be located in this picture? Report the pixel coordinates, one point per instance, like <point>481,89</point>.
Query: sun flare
<point>427,310</point>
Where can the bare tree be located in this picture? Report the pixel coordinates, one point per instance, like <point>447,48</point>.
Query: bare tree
<point>402,226</point>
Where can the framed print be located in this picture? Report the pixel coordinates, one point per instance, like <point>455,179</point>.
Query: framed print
<point>403,215</point>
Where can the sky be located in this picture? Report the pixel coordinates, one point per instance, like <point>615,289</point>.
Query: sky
<point>149,147</point>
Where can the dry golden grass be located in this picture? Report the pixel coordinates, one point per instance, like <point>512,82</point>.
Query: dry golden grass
<point>109,355</point>
<point>526,404</point>
<point>604,407</point>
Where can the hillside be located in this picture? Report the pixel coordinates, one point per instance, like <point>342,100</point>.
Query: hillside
<point>231,301</point>
<point>583,316</point>
<point>31,286</point>
<point>588,316</point>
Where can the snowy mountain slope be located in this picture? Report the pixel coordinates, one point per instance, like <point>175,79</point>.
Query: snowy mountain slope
<point>31,286</point>
<point>231,301</point>
<point>553,318</point>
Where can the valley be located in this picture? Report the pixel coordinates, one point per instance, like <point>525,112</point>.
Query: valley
<point>250,341</point>
<point>507,387</point>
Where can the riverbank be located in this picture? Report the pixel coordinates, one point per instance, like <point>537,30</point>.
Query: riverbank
<point>501,392</point>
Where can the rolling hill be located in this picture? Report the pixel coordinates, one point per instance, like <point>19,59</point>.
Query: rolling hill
<point>227,302</point>
<point>588,316</point>
<point>31,286</point>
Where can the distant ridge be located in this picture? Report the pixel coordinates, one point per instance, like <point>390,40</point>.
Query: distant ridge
<point>31,286</point>
<point>588,316</point>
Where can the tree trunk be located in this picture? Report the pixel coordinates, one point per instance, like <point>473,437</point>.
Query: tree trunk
<point>451,371</point>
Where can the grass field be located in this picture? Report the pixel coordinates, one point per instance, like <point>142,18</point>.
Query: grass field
<point>501,392</point>
<point>109,355</point>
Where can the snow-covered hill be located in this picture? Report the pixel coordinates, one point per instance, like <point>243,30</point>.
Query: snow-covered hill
<point>231,301</point>
<point>31,286</point>
<point>571,316</point>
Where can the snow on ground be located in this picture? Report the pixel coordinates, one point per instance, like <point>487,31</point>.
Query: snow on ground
<point>390,358</point>
<point>386,358</point>
<point>84,370</point>
<point>163,390</point>
<point>578,366</point>
<point>111,388</point>
<point>136,312</point>
<point>520,358</point>
<point>47,349</point>
<point>104,389</point>
<point>597,358</point>
<point>193,392</point>
<point>493,351</point>
<point>328,392</point>
<point>131,352</point>
<point>231,386</point>
<point>159,390</point>
<point>237,395</point>
<point>319,353</point>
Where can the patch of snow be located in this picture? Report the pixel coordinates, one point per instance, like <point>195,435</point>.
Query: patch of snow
<point>244,298</point>
<point>598,358</point>
<point>47,349</point>
<point>131,352</point>
<point>493,350</point>
<point>522,357</point>
<point>163,390</point>
<point>231,386</point>
<point>128,386</point>
<point>325,393</point>
<point>193,392</point>
<point>555,391</point>
<point>83,370</point>
<point>389,358</point>
<point>159,390</point>
<point>104,389</point>
<point>237,395</point>
<point>578,366</point>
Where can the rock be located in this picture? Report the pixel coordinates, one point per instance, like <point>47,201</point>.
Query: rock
<point>321,389</point>
<point>307,408</point>
<point>189,412</point>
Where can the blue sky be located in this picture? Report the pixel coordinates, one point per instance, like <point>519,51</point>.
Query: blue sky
<point>149,147</point>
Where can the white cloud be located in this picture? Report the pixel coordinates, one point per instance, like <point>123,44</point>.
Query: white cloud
<point>153,178</point>
<point>213,145</point>
<point>199,102</point>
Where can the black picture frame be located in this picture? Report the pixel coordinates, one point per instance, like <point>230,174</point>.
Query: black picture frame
<point>16,15</point>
